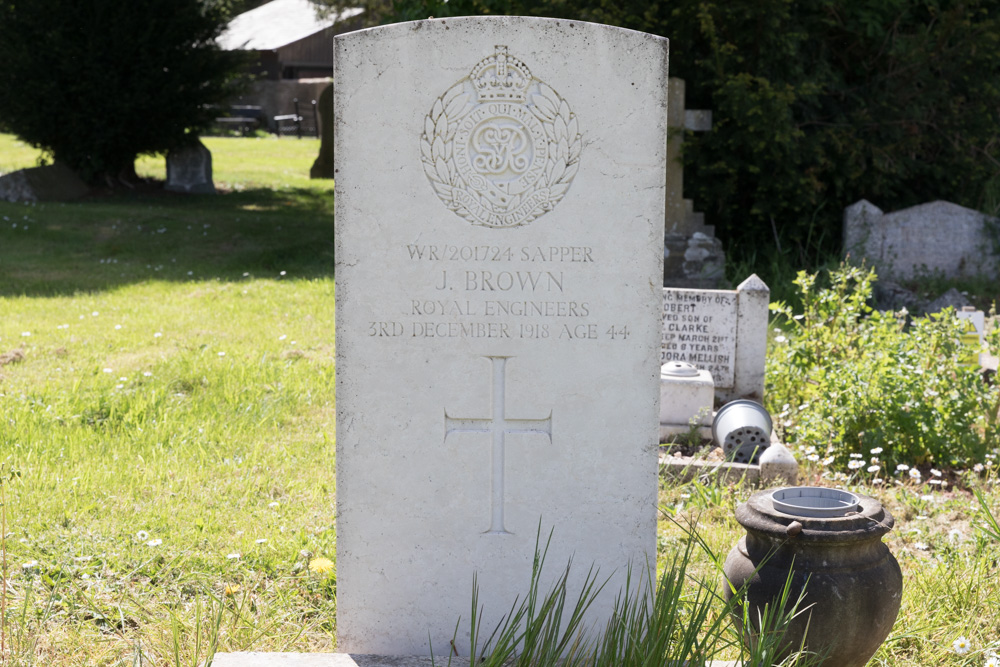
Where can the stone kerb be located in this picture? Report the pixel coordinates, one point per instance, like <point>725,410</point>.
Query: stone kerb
<point>934,238</point>
<point>250,659</point>
<point>721,331</point>
<point>499,231</point>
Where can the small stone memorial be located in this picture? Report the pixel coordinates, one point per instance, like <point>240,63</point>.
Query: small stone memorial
<point>53,182</point>
<point>499,244</point>
<point>189,170</point>
<point>721,331</point>
<point>323,166</point>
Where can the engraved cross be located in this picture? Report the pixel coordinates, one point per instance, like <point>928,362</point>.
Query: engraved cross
<point>499,425</point>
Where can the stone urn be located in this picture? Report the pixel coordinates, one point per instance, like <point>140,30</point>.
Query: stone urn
<point>831,540</point>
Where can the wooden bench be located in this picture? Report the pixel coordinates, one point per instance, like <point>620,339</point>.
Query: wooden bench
<point>243,118</point>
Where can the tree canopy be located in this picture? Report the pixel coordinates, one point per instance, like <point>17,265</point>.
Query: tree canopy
<point>816,103</point>
<point>96,82</point>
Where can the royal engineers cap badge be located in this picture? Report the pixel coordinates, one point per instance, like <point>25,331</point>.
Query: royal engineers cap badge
<point>500,147</point>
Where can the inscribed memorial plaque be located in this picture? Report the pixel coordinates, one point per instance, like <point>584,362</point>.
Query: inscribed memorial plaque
<point>699,327</point>
<point>499,247</point>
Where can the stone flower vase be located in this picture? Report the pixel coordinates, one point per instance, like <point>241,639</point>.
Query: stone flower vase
<point>834,540</point>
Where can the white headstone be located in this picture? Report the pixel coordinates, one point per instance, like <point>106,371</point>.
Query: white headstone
<point>720,331</point>
<point>499,235</point>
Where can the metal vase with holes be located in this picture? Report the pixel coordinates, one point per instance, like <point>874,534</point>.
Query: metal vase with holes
<point>831,541</point>
<point>743,429</point>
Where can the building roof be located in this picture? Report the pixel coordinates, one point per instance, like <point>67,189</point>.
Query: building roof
<point>276,24</point>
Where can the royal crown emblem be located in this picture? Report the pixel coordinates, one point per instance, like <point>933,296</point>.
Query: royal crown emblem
<point>500,147</point>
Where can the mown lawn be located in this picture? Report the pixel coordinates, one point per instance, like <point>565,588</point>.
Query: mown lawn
<point>166,380</point>
<point>167,394</point>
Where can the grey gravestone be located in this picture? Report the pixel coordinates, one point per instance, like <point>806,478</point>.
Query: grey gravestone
<point>189,170</point>
<point>936,238</point>
<point>323,166</point>
<point>950,299</point>
<point>499,229</point>
<point>55,182</point>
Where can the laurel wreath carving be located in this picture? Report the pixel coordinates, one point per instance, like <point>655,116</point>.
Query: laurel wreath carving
<point>437,140</point>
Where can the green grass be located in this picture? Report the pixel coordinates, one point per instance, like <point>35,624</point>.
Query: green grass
<point>167,394</point>
<point>271,219</point>
<point>169,376</point>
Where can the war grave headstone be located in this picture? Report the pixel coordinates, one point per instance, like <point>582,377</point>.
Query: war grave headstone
<point>499,237</point>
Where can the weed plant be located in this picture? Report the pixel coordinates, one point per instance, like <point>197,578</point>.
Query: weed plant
<point>678,619</point>
<point>845,380</point>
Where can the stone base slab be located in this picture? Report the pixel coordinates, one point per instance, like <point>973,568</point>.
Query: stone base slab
<point>681,470</point>
<point>253,659</point>
<point>668,431</point>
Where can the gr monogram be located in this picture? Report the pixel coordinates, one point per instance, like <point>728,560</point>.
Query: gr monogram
<point>500,147</point>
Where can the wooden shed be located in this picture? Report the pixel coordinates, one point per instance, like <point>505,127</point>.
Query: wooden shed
<point>289,38</point>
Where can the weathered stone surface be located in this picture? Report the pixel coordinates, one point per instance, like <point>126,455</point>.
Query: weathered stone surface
<point>54,182</point>
<point>721,331</point>
<point>694,261</point>
<point>852,583</point>
<point>254,659</point>
<point>680,216</point>
<point>345,660</point>
<point>693,257</point>
<point>699,327</point>
<point>778,466</point>
<point>499,229</point>
<point>891,296</point>
<point>950,299</point>
<point>687,395</point>
<point>934,238</point>
<point>323,166</point>
<point>189,170</point>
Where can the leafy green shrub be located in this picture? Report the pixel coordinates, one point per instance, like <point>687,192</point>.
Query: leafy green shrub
<point>816,103</point>
<point>848,380</point>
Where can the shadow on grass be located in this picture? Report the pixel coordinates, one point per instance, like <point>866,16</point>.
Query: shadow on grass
<point>107,242</point>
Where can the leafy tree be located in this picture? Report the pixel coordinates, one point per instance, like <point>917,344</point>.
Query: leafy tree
<point>816,103</point>
<point>96,82</point>
<point>231,8</point>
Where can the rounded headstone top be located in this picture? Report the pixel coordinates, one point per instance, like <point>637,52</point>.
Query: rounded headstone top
<point>678,369</point>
